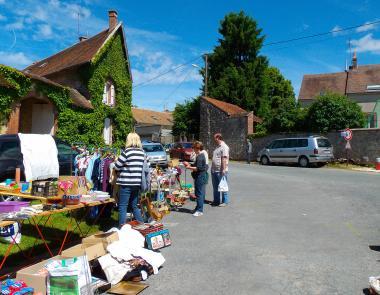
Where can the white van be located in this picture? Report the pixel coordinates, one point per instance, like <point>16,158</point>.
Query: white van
<point>302,150</point>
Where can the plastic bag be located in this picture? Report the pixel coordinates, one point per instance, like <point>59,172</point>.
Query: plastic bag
<point>10,234</point>
<point>374,283</point>
<point>69,276</point>
<point>223,185</point>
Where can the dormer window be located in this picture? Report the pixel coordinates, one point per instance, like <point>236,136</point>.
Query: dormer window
<point>109,94</point>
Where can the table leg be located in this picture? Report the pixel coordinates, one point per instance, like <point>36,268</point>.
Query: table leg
<point>41,236</point>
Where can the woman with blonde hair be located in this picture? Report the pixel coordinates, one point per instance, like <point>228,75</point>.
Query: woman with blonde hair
<point>130,166</point>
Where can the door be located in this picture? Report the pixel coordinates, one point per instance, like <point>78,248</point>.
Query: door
<point>277,151</point>
<point>42,118</point>
<point>290,154</point>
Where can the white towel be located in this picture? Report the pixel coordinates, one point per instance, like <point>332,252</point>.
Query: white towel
<point>40,156</point>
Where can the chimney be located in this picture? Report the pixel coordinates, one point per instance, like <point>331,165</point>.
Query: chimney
<point>112,16</point>
<point>354,61</point>
<point>82,38</point>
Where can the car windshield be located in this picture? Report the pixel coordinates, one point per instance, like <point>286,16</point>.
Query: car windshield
<point>151,148</point>
<point>323,143</point>
<point>187,145</point>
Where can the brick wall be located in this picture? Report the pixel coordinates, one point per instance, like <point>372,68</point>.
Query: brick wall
<point>233,129</point>
<point>365,144</point>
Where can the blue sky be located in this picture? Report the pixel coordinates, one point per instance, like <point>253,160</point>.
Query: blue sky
<point>164,34</point>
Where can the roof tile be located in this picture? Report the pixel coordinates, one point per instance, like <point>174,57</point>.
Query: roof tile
<point>148,117</point>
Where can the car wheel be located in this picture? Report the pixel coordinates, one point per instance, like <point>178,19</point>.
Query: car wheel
<point>303,162</point>
<point>264,160</point>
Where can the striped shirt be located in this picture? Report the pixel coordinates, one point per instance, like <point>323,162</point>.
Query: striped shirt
<point>130,164</point>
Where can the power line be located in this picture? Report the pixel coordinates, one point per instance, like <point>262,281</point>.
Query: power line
<point>167,72</point>
<point>322,34</point>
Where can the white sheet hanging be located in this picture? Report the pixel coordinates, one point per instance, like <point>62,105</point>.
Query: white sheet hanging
<point>40,155</point>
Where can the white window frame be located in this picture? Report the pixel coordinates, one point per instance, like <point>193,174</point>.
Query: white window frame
<point>109,94</point>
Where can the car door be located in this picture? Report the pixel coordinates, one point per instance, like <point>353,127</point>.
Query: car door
<point>276,151</point>
<point>290,150</point>
<point>10,159</point>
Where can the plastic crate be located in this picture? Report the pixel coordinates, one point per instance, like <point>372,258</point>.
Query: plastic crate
<point>12,206</point>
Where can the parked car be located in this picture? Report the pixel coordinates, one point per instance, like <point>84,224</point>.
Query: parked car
<point>303,150</point>
<point>156,153</point>
<point>168,147</point>
<point>11,157</point>
<point>182,151</point>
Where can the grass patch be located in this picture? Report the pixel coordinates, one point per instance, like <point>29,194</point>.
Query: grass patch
<point>349,166</point>
<point>54,230</point>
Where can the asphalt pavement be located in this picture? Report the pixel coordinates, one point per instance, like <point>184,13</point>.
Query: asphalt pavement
<point>288,230</point>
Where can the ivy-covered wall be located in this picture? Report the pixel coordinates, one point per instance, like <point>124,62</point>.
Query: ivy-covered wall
<point>76,124</point>
<point>87,127</point>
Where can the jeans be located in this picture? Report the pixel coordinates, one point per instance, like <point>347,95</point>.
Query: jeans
<point>129,195</point>
<point>200,192</point>
<point>248,158</point>
<point>216,177</point>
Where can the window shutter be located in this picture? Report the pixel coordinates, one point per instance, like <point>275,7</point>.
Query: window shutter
<point>107,131</point>
<point>112,95</point>
<point>105,94</point>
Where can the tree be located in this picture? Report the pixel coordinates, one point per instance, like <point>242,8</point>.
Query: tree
<point>236,70</point>
<point>333,111</point>
<point>186,118</point>
<point>281,111</point>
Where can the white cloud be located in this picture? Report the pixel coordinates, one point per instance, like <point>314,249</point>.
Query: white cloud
<point>2,1</point>
<point>44,32</point>
<point>2,18</point>
<point>150,35</point>
<point>16,59</point>
<point>366,27</point>
<point>367,44</point>
<point>17,25</point>
<point>336,31</point>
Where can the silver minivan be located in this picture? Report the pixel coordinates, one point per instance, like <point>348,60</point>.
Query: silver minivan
<point>302,150</point>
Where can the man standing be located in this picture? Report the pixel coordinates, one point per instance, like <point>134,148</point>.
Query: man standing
<point>249,151</point>
<point>219,168</point>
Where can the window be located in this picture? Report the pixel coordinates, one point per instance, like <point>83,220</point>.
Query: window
<point>10,150</point>
<point>65,152</point>
<point>278,144</point>
<point>302,142</point>
<point>151,148</point>
<point>290,143</point>
<point>109,94</point>
<point>323,143</point>
<point>107,132</point>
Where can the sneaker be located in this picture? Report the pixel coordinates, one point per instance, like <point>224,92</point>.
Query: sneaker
<point>222,205</point>
<point>197,214</point>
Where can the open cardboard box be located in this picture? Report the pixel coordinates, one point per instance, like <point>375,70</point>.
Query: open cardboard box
<point>36,275</point>
<point>101,237</point>
<point>91,251</point>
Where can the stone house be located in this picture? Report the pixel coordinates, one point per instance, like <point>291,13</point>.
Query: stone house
<point>81,94</point>
<point>233,122</point>
<point>153,125</point>
<point>359,83</point>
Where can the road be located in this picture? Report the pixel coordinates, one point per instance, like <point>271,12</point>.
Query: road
<point>287,230</point>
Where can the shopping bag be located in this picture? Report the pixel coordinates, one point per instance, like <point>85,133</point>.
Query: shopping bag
<point>223,185</point>
<point>69,276</point>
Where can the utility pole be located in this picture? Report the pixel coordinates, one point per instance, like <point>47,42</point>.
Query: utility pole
<point>206,72</point>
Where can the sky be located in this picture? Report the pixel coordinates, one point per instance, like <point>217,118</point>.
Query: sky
<point>163,35</point>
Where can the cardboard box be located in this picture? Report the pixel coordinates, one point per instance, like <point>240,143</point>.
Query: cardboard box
<point>101,237</point>
<point>35,276</point>
<point>91,251</point>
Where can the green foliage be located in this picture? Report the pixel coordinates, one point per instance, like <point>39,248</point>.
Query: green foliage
<point>76,124</point>
<point>186,118</point>
<point>13,86</point>
<point>334,112</point>
<point>236,70</point>
<point>282,110</point>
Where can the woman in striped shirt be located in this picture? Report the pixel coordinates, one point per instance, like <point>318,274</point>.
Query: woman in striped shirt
<point>130,166</point>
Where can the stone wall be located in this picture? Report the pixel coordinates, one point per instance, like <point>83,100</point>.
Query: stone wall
<point>365,144</point>
<point>233,129</point>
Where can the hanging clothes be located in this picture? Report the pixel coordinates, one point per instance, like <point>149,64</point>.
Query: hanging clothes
<point>90,167</point>
<point>106,174</point>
